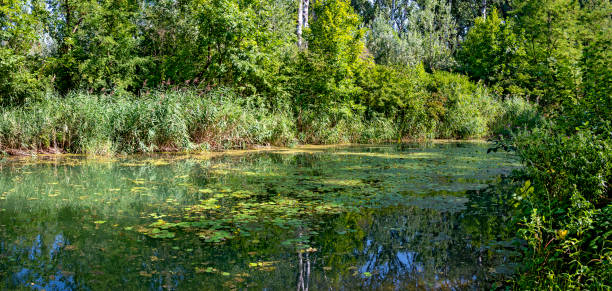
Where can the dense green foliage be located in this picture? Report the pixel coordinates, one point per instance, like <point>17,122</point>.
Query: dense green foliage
<point>110,76</point>
<point>566,210</point>
<point>221,119</point>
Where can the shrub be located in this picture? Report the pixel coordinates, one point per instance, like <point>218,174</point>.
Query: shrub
<point>566,209</point>
<point>467,108</point>
<point>516,115</point>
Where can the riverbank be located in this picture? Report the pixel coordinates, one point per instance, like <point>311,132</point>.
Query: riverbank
<point>191,121</point>
<point>302,148</point>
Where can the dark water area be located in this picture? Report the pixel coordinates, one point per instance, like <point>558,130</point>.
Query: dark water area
<point>409,217</point>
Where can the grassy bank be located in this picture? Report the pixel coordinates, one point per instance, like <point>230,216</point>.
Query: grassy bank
<point>221,119</point>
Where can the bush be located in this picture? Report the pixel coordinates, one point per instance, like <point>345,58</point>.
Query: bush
<point>566,209</point>
<point>467,108</point>
<point>516,115</point>
<point>561,163</point>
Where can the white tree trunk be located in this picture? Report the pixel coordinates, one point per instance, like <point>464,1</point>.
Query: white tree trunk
<point>305,13</point>
<point>305,18</point>
<point>483,9</point>
<point>300,23</point>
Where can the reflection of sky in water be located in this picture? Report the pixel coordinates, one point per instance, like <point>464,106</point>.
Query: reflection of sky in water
<point>41,276</point>
<point>59,281</point>
<point>404,262</point>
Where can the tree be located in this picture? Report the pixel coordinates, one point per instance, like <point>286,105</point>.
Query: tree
<point>550,31</point>
<point>431,28</point>
<point>465,12</point>
<point>493,53</point>
<point>303,7</point>
<point>20,50</point>
<point>96,43</point>
<point>426,33</point>
<point>386,46</point>
<point>595,106</point>
<point>327,70</point>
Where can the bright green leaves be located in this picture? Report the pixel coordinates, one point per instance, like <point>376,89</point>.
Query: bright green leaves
<point>327,70</point>
<point>97,45</point>
<point>492,52</point>
<point>552,48</point>
<point>335,32</point>
<point>20,50</point>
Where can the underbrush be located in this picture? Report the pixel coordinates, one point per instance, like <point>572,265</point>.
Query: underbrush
<point>190,120</point>
<point>172,121</point>
<point>565,208</point>
<point>516,115</point>
<point>162,121</point>
<point>466,109</point>
<point>437,105</point>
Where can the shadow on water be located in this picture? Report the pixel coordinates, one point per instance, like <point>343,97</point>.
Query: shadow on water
<point>359,217</point>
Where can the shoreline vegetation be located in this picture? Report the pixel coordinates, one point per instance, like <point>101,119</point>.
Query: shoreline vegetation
<point>12,154</point>
<point>187,120</point>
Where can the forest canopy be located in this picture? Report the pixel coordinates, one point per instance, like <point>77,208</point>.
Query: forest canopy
<point>535,49</point>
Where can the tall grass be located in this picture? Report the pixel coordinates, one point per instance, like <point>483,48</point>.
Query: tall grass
<point>162,121</point>
<point>467,108</point>
<point>516,115</point>
<point>222,119</point>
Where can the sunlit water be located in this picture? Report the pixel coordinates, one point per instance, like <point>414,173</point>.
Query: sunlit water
<point>340,218</point>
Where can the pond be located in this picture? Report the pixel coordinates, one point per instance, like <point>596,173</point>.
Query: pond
<point>392,217</point>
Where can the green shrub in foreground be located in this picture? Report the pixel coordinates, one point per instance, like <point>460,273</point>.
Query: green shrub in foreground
<point>566,218</point>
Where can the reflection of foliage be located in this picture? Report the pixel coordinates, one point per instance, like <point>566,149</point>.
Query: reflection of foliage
<point>252,210</point>
<point>416,246</point>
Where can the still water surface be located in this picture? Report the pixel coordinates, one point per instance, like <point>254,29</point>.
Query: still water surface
<point>312,218</point>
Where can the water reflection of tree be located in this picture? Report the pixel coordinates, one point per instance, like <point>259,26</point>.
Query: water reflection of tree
<point>418,246</point>
<point>424,248</point>
<point>303,271</point>
<point>52,252</point>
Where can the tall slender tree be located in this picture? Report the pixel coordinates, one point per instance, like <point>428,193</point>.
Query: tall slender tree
<point>303,21</point>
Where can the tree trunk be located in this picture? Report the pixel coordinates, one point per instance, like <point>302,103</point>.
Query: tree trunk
<point>300,23</point>
<point>305,18</point>
<point>483,9</point>
<point>305,13</point>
